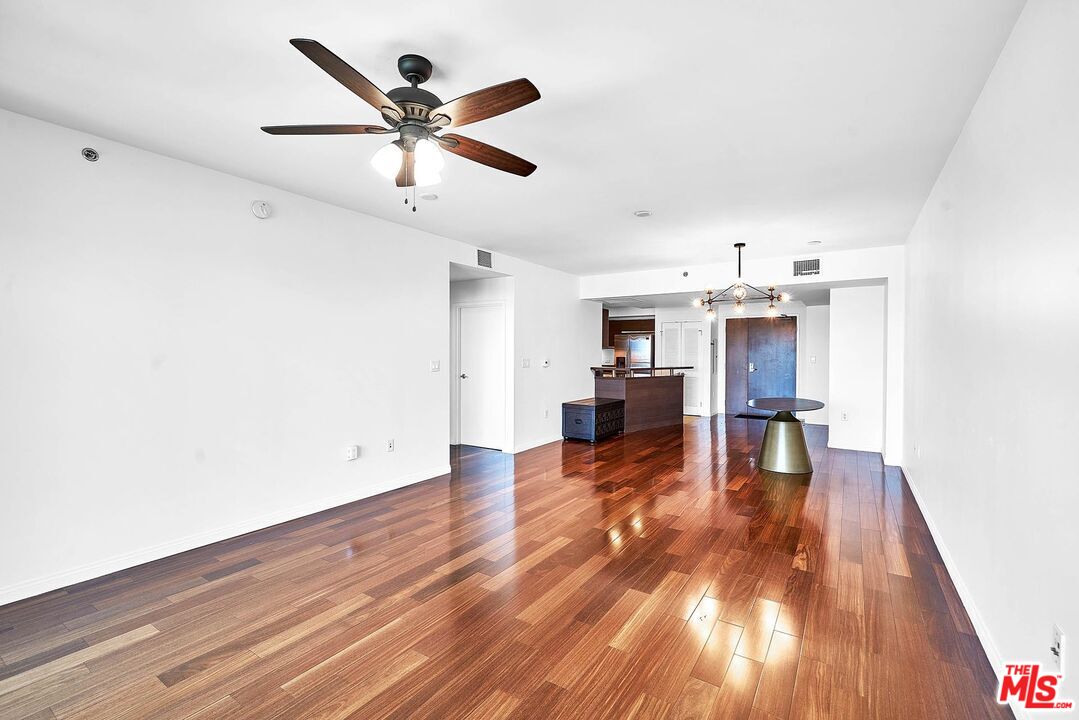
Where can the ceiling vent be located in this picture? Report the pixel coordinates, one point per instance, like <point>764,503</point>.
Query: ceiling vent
<point>807,267</point>
<point>483,258</point>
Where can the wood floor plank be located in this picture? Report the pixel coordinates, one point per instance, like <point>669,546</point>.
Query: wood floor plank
<point>776,689</point>
<point>735,699</point>
<point>711,665</point>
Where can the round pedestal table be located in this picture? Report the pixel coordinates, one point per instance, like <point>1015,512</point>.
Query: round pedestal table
<point>784,448</point>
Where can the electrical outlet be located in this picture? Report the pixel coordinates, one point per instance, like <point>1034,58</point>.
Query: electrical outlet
<point>526,362</point>
<point>352,452</point>
<point>389,445</point>
<point>1057,649</point>
<point>843,416</point>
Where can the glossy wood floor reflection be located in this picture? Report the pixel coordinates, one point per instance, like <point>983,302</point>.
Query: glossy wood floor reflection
<point>658,575</point>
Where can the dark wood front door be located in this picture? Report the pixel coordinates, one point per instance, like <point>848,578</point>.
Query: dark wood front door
<point>762,358</point>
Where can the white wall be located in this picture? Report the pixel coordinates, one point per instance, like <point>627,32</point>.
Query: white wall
<point>856,371</point>
<point>884,264</point>
<point>480,292</point>
<point>815,355</point>
<point>552,325</point>
<point>992,346</point>
<point>175,371</point>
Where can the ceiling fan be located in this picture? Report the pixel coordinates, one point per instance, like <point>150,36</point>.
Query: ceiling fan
<point>417,116</point>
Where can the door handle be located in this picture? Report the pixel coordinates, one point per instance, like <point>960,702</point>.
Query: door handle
<point>463,376</point>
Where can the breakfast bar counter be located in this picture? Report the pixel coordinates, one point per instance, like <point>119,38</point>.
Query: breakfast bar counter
<point>653,396</point>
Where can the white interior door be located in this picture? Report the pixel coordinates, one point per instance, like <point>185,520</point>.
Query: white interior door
<point>482,376</point>
<point>682,345</point>
<point>691,344</point>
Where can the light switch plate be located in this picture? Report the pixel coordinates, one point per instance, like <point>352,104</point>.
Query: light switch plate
<point>435,365</point>
<point>352,452</point>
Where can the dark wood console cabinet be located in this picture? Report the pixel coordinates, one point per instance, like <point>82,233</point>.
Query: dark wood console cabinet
<point>592,419</point>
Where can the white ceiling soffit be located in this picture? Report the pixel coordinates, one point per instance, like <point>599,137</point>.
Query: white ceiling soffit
<point>460,272</point>
<point>805,293</point>
<point>772,123</point>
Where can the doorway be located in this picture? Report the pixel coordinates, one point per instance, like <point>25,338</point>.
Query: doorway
<point>481,375</point>
<point>762,360</point>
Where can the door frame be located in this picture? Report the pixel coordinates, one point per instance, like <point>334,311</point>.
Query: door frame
<point>455,370</point>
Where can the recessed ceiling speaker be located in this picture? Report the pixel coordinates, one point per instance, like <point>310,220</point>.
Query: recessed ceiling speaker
<point>90,154</point>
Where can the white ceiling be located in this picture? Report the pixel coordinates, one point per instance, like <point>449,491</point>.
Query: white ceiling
<point>771,122</point>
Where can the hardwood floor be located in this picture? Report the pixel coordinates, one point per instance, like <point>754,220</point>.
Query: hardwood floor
<point>658,575</point>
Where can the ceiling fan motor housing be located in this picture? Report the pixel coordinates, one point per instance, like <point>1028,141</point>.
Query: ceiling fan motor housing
<point>416,102</point>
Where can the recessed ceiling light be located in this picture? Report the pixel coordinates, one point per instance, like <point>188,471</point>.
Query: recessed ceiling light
<point>814,242</point>
<point>429,196</point>
<point>642,213</point>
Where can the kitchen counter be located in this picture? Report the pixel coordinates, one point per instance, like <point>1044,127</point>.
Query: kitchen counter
<point>614,371</point>
<point>653,396</point>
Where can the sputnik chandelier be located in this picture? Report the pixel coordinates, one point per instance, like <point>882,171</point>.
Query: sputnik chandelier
<point>740,292</point>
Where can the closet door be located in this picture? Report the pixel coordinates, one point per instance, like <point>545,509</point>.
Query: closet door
<point>691,344</point>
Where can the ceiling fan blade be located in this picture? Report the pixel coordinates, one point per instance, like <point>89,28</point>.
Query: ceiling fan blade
<point>406,176</point>
<point>487,103</point>
<point>486,154</point>
<point>324,129</point>
<point>345,74</point>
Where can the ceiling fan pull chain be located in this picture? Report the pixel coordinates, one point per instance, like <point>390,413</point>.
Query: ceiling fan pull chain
<point>413,198</point>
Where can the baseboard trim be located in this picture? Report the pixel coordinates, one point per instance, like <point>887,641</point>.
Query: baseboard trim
<point>55,581</point>
<point>985,637</point>
<point>529,444</point>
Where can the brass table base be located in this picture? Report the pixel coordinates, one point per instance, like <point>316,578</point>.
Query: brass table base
<point>784,448</point>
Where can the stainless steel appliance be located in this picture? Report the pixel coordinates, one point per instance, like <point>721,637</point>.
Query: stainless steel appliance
<point>639,351</point>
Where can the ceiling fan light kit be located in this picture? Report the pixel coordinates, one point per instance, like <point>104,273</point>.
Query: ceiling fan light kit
<point>740,292</point>
<point>417,116</point>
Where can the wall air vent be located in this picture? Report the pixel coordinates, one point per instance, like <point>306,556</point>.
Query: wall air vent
<point>807,267</point>
<point>483,258</point>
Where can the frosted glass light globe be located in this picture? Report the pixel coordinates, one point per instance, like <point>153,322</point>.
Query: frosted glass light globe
<point>428,158</point>
<point>387,161</point>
